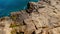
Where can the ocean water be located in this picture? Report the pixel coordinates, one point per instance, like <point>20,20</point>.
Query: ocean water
<point>8,6</point>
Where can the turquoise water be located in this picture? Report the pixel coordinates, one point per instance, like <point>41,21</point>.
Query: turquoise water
<point>8,6</point>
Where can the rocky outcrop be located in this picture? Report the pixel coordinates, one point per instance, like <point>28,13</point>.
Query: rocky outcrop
<point>41,17</point>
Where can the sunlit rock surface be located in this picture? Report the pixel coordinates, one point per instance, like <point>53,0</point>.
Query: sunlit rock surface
<point>41,17</point>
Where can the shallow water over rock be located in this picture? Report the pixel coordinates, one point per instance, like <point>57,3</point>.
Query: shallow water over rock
<point>8,6</point>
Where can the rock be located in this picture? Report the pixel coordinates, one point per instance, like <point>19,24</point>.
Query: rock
<point>41,17</point>
<point>5,26</point>
<point>19,16</point>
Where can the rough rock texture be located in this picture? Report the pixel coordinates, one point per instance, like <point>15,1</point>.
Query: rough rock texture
<point>42,17</point>
<point>5,25</point>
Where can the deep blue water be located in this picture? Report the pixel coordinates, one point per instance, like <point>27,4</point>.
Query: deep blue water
<point>8,6</point>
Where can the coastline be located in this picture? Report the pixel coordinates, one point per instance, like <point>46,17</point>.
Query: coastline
<point>41,17</point>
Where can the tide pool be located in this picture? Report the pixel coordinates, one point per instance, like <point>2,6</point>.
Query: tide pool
<point>8,6</point>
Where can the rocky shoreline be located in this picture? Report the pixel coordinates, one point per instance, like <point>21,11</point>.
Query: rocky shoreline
<point>41,17</point>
